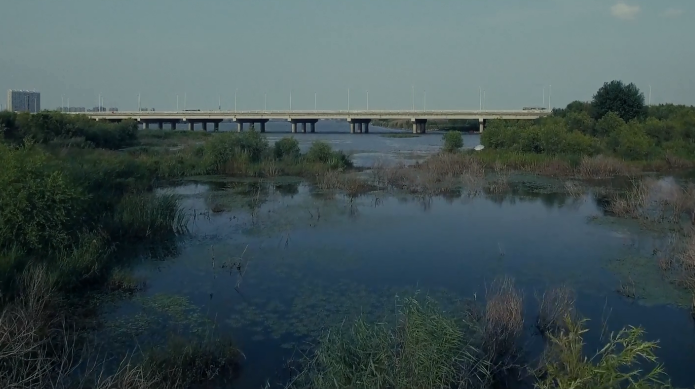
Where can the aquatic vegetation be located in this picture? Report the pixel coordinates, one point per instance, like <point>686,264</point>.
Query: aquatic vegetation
<point>618,364</point>
<point>182,362</point>
<point>400,135</point>
<point>502,325</point>
<point>423,349</point>
<point>555,305</point>
<point>601,166</point>
<point>146,215</point>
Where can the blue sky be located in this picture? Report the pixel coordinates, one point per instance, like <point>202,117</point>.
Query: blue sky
<point>207,49</point>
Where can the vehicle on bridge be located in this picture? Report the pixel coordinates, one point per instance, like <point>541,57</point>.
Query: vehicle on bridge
<point>534,109</point>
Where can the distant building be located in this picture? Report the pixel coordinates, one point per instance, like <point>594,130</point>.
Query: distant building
<point>113,109</point>
<point>23,101</point>
<point>74,109</point>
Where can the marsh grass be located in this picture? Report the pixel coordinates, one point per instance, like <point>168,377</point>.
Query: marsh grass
<point>555,305</point>
<point>146,215</point>
<point>350,184</point>
<point>39,348</point>
<point>183,362</point>
<point>503,324</point>
<point>653,201</point>
<point>419,348</point>
<point>618,364</point>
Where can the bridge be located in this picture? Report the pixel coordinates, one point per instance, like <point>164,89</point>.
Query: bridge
<point>359,120</point>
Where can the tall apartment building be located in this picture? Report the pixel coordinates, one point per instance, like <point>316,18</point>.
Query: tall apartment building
<point>23,101</point>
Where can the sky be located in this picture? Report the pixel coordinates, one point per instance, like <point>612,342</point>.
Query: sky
<point>206,51</point>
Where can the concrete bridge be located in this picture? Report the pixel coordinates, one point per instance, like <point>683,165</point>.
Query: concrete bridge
<point>359,120</point>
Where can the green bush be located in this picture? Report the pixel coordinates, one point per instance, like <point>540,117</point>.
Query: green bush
<point>319,151</point>
<point>631,142</point>
<point>453,141</point>
<point>41,207</point>
<point>609,124</point>
<point>286,148</point>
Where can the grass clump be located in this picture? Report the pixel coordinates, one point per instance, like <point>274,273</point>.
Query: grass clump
<point>422,348</point>
<point>453,141</point>
<point>183,363</point>
<point>555,306</point>
<point>148,215</point>
<point>618,364</point>
<point>502,325</point>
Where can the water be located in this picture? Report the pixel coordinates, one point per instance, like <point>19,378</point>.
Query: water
<point>366,149</point>
<point>312,260</point>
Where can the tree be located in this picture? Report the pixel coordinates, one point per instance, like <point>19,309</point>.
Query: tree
<point>625,100</point>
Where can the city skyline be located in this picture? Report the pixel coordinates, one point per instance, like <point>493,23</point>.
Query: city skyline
<point>264,51</point>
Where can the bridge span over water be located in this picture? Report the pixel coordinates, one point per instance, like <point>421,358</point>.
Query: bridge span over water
<point>359,120</point>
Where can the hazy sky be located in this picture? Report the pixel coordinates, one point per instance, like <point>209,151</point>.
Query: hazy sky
<point>448,48</point>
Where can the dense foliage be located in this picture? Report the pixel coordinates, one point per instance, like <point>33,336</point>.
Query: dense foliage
<point>625,100</point>
<point>600,127</point>
<point>47,127</point>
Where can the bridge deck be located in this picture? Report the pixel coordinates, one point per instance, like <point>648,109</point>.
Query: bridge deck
<point>320,115</point>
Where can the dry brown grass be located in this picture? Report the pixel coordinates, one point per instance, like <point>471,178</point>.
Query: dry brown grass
<point>601,166</point>
<point>437,175</point>
<point>335,180</point>
<point>554,306</point>
<point>503,324</point>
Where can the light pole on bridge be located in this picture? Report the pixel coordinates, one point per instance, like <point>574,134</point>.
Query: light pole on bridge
<point>235,91</point>
<point>367,100</point>
<point>348,99</point>
<point>413,87</point>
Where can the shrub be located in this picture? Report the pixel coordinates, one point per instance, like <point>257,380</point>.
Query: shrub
<point>319,152</point>
<point>286,148</point>
<point>631,142</point>
<point>608,124</point>
<point>619,364</point>
<point>41,208</point>
<point>453,141</point>
<point>580,121</point>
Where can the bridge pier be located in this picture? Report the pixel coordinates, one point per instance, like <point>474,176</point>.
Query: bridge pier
<point>216,126</point>
<point>160,125</point>
<point>145,125</point>
<point>359,126</point>
<point>419,126</point>
<point>173,125</point>
<point>191,126</point>
<point>481,124</point>
<point>294,127</point>
<point>262,126</point>
<point>304,127</point>
<point>312,127</point>
<point>204,125</point>
<point>239,126</point>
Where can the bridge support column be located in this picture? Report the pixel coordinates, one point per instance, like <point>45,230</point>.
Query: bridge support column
<point>481,124</point>
<point>352,127</point>
<point>191,126</point>
<point>239,126</point>
<point>294,127</point>
<point>216,126</point>
<point>304,127</point>
<point>160,125</point>
<point>145,125</point>
<point>312,127</point>
<point>419,126</point>
<point>262,126</point>
<point>359,127</point>
<point>205,126</point>
<point>366,127</point>
<point>173,125</point>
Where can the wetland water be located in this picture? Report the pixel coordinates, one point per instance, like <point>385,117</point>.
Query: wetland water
<point>313,259</point>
